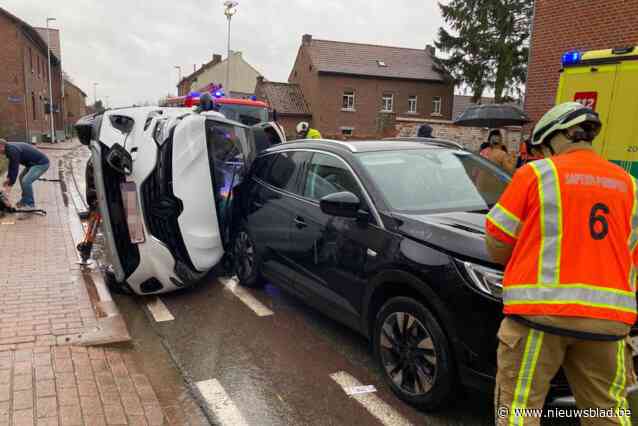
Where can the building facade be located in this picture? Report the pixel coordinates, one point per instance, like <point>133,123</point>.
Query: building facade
<point>24,87</point>
<point>74,105</point>
<point>563,25</point>
<point>359,90</point>
<point>243,76</point>
<point>287,100</point>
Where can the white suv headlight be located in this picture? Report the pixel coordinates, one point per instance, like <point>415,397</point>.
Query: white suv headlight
<point>487,280</point>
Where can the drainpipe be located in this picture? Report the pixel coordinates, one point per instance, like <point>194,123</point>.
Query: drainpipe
<point>529,55</point>
<point>26,102</point>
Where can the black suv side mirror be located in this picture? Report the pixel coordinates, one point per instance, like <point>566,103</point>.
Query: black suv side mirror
<point>341,204</point>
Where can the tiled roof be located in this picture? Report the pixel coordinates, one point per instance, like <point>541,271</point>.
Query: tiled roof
<point>286,98</point>
<point>372,60</point>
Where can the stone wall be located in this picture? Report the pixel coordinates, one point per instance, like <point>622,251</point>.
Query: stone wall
<point>470,137</point>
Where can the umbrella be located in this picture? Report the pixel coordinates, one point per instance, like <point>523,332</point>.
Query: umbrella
<point>492,116</point>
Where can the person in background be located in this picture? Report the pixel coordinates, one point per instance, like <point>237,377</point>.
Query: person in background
<point>497,153</point>
<point>304,131</point>
<point>35,165</point>
<point>425,131</point>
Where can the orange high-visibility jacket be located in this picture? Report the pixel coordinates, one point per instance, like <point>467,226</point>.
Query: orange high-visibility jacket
<point>572,220</point>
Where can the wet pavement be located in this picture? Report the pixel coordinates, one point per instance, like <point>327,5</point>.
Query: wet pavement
<point>275,369</point>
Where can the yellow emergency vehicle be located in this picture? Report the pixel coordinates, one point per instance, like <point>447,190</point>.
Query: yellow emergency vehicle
<point>607,82</point>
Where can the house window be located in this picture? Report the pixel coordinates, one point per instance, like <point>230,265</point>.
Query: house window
<point>387,103</point>
<point>347,131</point>
<point>412,100</point>
<point>347,102</point>
<point>35,112</point>
<point>436,105</point>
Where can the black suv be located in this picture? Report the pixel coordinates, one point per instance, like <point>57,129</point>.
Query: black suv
<point>386,237</point>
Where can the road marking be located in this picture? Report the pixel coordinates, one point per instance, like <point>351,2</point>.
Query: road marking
<point>242,294</point>
<point>370,401</point>
<point>220,403</point>
<point>159,310</point>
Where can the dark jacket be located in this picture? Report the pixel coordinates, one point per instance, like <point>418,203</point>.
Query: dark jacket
<point>24,154</point>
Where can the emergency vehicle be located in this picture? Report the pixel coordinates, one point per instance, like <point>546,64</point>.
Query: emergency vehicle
<point>607,81</point>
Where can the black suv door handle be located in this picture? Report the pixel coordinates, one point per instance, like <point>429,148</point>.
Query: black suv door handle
<point>300,222</point>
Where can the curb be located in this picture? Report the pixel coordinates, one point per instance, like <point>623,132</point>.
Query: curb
<point>111,327</point>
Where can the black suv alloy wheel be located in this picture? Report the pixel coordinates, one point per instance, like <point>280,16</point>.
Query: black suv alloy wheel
<point>246,262</point>
<point>414,354</point>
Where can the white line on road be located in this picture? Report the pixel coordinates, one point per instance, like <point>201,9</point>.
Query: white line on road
<point>159,310</point>
<point>370,401</point>
<point>242,294</point>
<point>220,403</point>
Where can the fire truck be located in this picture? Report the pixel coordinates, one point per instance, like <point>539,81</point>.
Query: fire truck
<point>248,111</point>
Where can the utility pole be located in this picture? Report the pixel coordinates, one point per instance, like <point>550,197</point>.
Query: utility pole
<point>50,86</point>
<point>230,9</point>
<point>95,94</point>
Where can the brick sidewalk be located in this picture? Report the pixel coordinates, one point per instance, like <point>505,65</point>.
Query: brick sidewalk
<point>43,300</point>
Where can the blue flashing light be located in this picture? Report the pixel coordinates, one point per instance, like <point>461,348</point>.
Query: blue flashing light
<point>253,98</point>
<point>572,57</point>
<point>219,94</point>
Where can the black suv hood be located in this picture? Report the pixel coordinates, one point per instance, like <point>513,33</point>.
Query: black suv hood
<point>460,234</point>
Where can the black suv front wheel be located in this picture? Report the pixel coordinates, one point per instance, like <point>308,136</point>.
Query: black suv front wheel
<point>414,354</point>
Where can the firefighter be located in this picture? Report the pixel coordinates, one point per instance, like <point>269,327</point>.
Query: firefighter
<point>566,229</point>
<point>304,131</point>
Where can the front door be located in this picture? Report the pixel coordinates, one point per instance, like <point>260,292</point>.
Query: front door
<point>329,253</point>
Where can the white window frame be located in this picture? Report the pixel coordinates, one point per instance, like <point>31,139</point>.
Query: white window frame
<point>413,100</point>
<point>383,103</point>
<point>437,103</point>
<point>347,129</point>
<point>350,95</point>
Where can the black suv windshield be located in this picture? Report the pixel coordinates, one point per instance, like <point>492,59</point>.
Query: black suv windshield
<point>244,114</point>
<point>434,180</point>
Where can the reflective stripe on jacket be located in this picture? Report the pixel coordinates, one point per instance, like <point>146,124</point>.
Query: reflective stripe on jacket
<point>572,220</point>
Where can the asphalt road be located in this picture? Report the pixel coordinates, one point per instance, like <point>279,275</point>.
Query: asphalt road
<point>277,369</point>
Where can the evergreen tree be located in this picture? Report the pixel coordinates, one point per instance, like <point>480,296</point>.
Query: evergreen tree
<point>509,32</point>
<point>468,47</point>
<point>488,46</point>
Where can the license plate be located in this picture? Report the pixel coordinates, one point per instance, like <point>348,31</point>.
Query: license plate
<point>132,210</point>
<point>633,342</point>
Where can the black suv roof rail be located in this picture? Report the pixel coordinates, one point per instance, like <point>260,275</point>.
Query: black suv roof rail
<point>347,145</point>
<point>440,142</point>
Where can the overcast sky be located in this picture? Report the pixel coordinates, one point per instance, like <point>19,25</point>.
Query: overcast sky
<point>130,47</point>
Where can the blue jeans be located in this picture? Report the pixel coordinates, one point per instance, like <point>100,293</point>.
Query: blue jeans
<point>27,177</point>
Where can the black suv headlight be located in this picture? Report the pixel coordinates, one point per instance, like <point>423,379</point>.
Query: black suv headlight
<point>487,280</point>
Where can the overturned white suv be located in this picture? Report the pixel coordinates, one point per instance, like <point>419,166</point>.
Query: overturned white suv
<point>162,179</point>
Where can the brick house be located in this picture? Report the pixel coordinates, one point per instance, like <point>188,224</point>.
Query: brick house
<point>287,100</point>
<point>563,25</point>
<point>358,90</point>
<point>74,105</point>
<point>24,87</point>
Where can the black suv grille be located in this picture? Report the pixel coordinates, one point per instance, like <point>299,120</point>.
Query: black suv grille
<point>162,208</point>
<point>128,252</point>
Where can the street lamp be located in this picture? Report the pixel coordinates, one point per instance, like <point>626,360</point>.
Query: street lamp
<point>95,94</point>
<point>179,80</point>
<point>230,9</point>
<point>50,86</point>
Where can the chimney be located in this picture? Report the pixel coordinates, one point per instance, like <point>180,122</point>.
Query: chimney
<point>216,59</point>
<point>431,50</point>
<point>194,67</point>
<point>260,79</point>
<point>306,39</point>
